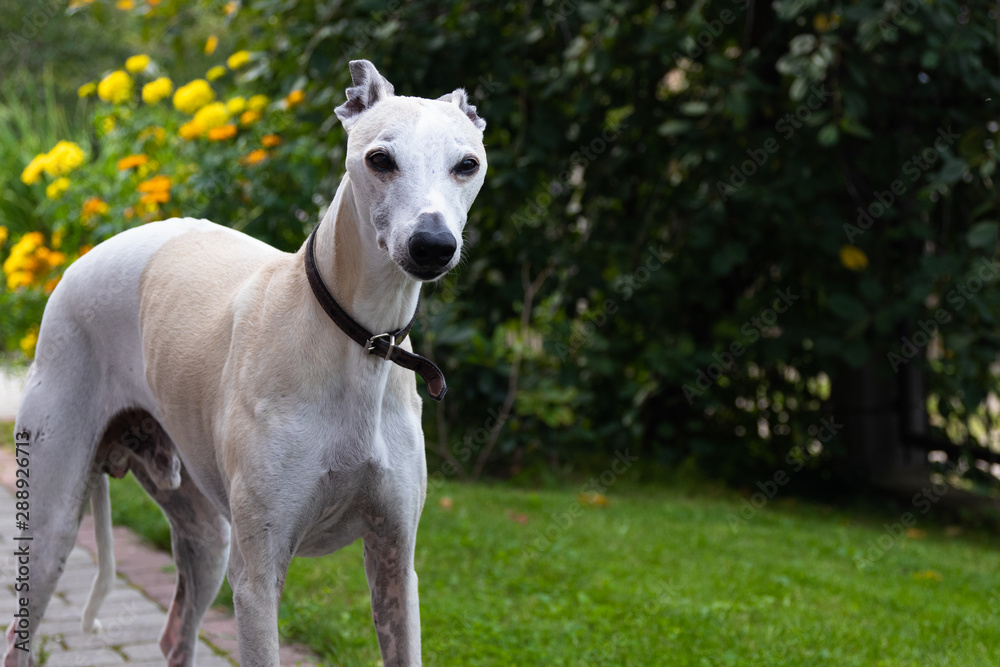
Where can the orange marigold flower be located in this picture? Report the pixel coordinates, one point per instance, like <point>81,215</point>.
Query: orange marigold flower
<point>51,284</point>
<point>93,206</point>
<point>295,98</point>
<point>158,183</point>
<point>84,249</point>
<point>249,118</point>
<point>132,161</point>
<point>190,130</point>
<point>155,197</point>
<point>270,140</point>
<point>222,132</point>
<point>254,157</point>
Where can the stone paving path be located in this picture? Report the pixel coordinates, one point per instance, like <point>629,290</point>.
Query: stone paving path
<point>132,615</point>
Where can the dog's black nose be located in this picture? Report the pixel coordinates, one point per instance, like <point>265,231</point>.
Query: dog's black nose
<point>432,246</point>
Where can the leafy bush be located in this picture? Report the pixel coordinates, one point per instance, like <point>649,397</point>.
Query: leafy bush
<point>695,220</point>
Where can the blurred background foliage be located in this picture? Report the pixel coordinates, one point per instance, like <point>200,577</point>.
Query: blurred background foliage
<point>697,216</point>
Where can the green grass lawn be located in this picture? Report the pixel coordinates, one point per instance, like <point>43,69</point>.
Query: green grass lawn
<point>656,577</point>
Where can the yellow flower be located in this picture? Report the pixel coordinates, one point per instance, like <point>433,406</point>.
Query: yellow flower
<point>249,118</point>
<point>57,187</point>
<point>147,208</point>
<point>258,103</point>
<point>254,157</point>
<point>270,140</point>
<point>115,87</point>
<point>158,183</point>
<point>928,574</point>
<point>295,98</point>
<point>222,132</point>
<point>29,341</point>
<point>91,207</point>
<point>231,7</point>
<point>34,170</point>
<point>3,234</point>
<point>30,242</point>
<point>211,115</point>
<point>210,44</point>
<point>137,64</point>
<point>87,89</point>
<point>853,258</point>
<point>236,105</point>
<point>132,161</point>
<point>216,72</point>
<point>190,130</point>
<point>63,158</point>
<point>238,59</point>
<point>18,279</point>
<point>592,498</point>
<point>155,133</point>
<point>193,96</point>
<point>30,260</point>
<point>49,259</point>
<point>108,125</point>
<point>125,5</point>
<point>154,91</point>
<point>57,237</point>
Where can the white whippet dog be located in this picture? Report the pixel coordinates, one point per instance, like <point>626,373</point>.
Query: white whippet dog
<point>207,363</point>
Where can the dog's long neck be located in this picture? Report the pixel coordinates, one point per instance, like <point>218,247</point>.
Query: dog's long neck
<point>361,276</point>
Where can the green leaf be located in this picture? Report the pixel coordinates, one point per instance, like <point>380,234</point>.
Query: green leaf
<point>982,234</point>
<point>828,135</point>
<point>673,127</point>
<point>847,307</point>
<point>695,108</point>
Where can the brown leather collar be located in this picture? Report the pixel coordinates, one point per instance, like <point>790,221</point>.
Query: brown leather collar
<point>385,345</point>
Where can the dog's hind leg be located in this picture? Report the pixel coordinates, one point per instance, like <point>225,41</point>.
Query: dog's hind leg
<point>199,537</point>
<point>59,412</point>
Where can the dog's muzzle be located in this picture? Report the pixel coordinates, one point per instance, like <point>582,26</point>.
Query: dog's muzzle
<point>432,246</point>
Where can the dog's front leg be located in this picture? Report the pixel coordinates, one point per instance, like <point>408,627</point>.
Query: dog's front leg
<point>257,569</point>
<point>395,604</point>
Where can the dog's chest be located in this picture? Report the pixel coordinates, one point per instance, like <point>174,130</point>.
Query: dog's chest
<point>368,499</point>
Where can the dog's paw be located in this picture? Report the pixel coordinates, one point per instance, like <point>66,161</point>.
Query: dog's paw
<point>95,627</point>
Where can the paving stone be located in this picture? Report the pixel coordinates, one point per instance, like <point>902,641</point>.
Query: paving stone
<point>99,658</point>
<point>143,652</point>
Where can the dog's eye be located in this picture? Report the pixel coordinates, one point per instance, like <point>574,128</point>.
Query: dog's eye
<point>467,166</point>
<point>380,161</point>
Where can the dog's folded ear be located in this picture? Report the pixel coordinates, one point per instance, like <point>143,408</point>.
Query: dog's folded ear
<point>369,87</point>
<point>461,100</point>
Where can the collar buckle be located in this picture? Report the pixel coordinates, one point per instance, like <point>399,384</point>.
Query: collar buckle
<point>370,343</point>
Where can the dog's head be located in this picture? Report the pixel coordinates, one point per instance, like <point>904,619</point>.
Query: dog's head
<point>416,166</point>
